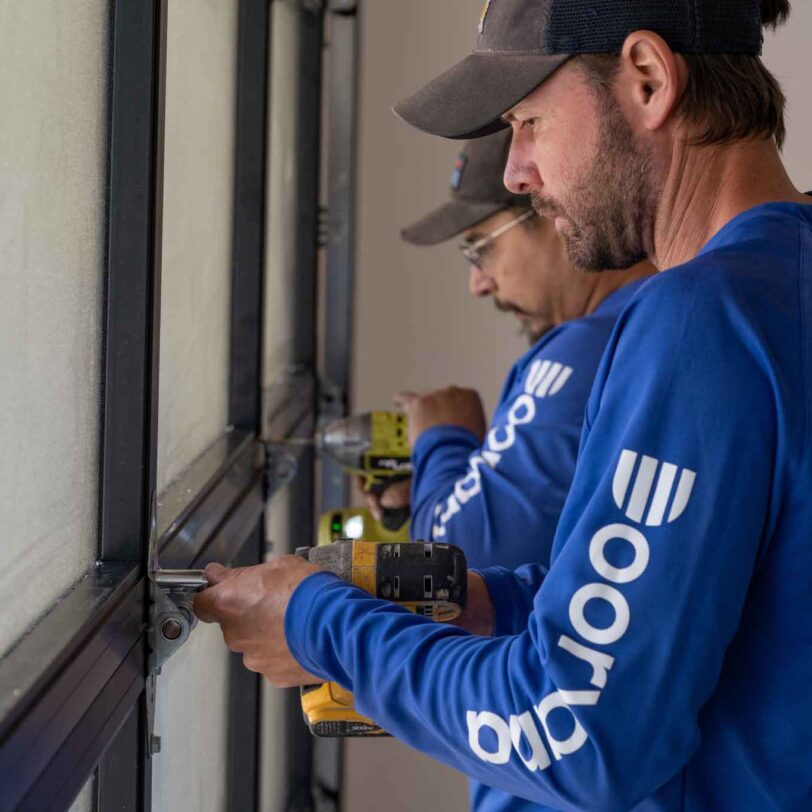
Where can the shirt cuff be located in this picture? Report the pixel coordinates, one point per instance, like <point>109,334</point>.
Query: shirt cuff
<point>507,600</point>
<point>298,616</point>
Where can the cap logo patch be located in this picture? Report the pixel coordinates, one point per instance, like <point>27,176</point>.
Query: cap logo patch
<point>483,15</point>
<point>459,168</point>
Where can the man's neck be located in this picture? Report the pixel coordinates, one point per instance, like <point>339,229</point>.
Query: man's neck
<point>707,187</point>
<point>607,282</point>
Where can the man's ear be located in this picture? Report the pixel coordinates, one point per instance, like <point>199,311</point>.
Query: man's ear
<point>651,79</point>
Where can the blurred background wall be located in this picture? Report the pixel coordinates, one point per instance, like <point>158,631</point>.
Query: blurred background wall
<point>786,53</point>
<point>414,301</point>
<point>416,327</point>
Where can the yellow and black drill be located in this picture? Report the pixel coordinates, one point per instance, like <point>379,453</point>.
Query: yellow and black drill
<point>374,445</point>
<point>428,578</point>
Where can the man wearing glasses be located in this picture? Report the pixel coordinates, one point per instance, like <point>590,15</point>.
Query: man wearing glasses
<point>498,494</point>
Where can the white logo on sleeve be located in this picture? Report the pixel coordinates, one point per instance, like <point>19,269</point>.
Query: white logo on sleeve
<point>654,485</point>
<point>546,378</point>
<point>650,484</point>
<point>543,380</point>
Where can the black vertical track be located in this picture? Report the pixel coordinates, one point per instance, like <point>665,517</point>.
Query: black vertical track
<point>308,209</point>
<point>247,290</point>
<point>302,504</point>
<point>248,264</point>
<point>342,152</point>
<point>130,414</point>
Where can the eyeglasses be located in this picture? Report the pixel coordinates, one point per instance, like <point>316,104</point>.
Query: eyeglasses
<point>472,251</point>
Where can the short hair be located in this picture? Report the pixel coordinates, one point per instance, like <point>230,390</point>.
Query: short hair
<point>729,97</point>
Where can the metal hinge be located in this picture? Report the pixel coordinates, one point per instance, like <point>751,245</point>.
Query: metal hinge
<point>171,616</point>
<point>171,620</point>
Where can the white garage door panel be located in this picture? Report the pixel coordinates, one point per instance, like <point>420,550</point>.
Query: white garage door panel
<point>195,278</point>
<point>190,772</point>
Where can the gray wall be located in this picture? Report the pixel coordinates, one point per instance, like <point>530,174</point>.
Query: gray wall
<point>416,326</point>
<point>191,717</point>
<point>280,262</point>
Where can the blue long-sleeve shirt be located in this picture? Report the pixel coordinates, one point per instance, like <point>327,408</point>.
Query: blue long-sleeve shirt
<point>667,660</point>
<point>500,501</point>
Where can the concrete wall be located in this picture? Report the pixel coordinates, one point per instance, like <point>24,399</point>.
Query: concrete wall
<point>53,140</point>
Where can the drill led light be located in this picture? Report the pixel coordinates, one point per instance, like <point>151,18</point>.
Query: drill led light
<point>354,527</point>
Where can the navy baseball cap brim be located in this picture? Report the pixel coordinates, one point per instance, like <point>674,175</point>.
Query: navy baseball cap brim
<point>449,220</point>
<point>521,43</point>
<point>468,100</point>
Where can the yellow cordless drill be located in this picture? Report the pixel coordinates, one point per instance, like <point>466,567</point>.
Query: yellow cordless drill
<point>374,445</point>
<point>429,579</point>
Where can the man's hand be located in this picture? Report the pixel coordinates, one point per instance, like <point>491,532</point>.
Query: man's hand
<point>452,406</point>
<point>249,604</point>
<point>397,495</point>
<point>477,618</point>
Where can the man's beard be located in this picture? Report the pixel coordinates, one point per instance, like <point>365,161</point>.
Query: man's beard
<point>533,330</point>
<point>614,201</point>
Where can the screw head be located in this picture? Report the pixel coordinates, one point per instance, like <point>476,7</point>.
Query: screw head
<point>171,629</point>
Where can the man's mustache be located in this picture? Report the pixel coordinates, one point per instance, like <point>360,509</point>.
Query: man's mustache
<point>508,307</point>
<point>544,207</point>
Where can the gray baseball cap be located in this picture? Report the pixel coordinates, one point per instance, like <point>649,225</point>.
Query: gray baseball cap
<point>522,43</point>
<point>477,192</point>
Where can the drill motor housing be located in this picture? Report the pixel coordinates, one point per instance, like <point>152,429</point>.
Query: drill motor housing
<point>374,445</point>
